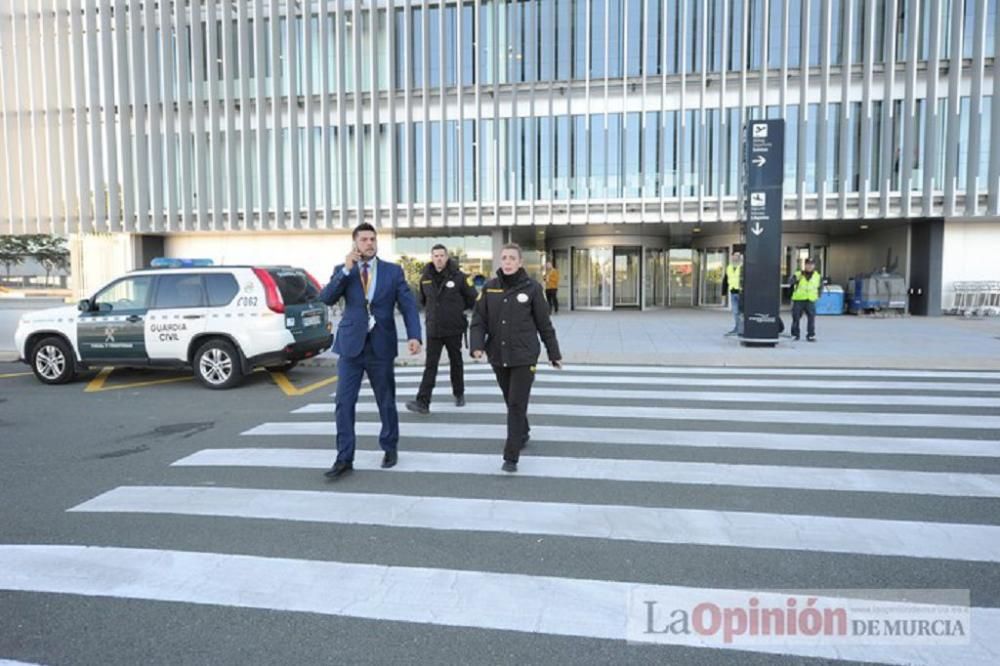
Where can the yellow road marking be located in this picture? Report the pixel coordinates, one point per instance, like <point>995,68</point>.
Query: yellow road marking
<point>97,383</point>
<point>285,384</point>
<point>14,374</point>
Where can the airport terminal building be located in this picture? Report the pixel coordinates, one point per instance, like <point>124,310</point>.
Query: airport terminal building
<point>603,134</point>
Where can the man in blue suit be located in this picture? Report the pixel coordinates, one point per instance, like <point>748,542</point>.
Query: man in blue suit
<point>366,341</point>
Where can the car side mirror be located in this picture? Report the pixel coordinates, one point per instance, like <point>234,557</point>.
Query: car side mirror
<point>84,305</point>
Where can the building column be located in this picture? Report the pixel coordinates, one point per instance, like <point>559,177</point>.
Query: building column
<point>96,259</point>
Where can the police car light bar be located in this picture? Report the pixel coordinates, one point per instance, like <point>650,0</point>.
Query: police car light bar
<point>167,262</point>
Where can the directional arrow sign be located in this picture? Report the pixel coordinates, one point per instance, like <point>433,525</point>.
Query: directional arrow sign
<point>763,160</point>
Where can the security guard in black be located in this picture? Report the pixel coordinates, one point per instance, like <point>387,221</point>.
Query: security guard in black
<point>445,294</point>
<point>510,316</point>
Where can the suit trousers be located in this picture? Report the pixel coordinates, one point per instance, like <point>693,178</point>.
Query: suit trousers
<point>381,375</point>
<point>515,384</point>
<point>453,343</point>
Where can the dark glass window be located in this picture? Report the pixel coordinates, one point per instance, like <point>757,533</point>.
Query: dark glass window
<point>180,291</point>
<point>295,286</point>
<point>221,288</point>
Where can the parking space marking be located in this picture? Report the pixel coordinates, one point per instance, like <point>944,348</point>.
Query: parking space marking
<point>14,374</point>
<point>97,384</point>
<point>285,384</point>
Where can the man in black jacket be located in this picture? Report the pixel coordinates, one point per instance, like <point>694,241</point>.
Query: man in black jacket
<point>446,293</point>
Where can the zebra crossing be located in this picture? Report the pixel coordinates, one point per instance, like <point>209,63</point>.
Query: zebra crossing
<point>833,476</point>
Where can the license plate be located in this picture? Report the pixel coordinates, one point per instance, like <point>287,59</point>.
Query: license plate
<point>312,320</point>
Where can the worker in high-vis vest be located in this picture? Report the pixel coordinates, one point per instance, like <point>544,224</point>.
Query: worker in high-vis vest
<point>733,284</point>
<point>806,286</point>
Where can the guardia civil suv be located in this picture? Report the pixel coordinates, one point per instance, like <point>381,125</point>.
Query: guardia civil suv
<point>221,321</point>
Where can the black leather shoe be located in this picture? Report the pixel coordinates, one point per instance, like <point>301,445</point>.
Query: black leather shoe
<point>460,401</point>
<point>338,470</point>
<point>389,459</point>
<point>418,407</point>
<point>509,466</point>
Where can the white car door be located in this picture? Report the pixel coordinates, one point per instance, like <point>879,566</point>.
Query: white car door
<point>178,314</point>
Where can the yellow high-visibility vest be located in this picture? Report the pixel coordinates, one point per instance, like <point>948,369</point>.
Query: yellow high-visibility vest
<point>806,289</point>
<point>734,276</point>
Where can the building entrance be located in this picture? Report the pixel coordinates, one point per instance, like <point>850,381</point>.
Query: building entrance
<point>628,276</point>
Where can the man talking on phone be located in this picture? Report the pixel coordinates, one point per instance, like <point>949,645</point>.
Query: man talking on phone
<point>366,341</point>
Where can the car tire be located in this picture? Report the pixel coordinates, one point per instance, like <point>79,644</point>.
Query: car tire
<point>53,362</point>
<point>284,367</point>
<point>217,364</point>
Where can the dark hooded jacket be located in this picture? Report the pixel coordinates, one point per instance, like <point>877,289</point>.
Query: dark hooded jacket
<point>508,319</point>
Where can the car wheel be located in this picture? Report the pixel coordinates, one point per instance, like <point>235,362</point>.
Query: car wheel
<point>53,362</point>
<point>284,367</point>
<point>217,365</point>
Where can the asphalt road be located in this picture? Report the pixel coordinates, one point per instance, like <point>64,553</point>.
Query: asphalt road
<point>67,446</point>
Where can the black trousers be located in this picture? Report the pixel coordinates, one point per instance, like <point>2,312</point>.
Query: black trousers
<point>798,307</point>
<point>434,345</point>
<point>552,296</point>
<point>515,384</point>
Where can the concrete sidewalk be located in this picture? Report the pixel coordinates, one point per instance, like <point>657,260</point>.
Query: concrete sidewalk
<point>695,337</point>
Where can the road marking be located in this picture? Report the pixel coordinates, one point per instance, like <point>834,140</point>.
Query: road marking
<point>748,383</point>
<point>796,417</point>
<point>741,529</point>
<point>836,479</point>
<point>714,396</point>
<point>813,373</point>
<point>549,605</point>
<point>97,384</point>
<point>14,374</point>
<point>978,448</point>
<point>285,384</point>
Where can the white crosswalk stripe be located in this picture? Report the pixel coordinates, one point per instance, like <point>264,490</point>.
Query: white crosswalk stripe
<point>868,418</point>
<point>556,377</point>
<point>986,448</point>
<point>642,445</point>
<point>977,543</point>
<point>733,370</point>
<point>483,600</point>
<point>720,396</point>
<point>944,484</point>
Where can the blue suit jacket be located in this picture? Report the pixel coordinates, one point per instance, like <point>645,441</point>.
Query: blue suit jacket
<point>390,289</point>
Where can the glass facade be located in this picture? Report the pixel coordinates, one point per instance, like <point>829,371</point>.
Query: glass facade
<point>200,115</point>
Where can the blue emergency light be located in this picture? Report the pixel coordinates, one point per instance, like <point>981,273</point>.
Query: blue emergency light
<point>168,262</point>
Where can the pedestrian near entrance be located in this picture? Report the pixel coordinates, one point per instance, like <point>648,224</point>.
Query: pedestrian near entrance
<point>366,341</point>
<point>446,293</point>
<point>733,283</point>
<point>510,315</point>
<point>806,285</point>
<point>552,287</point>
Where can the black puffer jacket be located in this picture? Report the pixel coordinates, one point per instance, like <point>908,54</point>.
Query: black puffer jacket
<point>509,316</point>
<point>446,295</point>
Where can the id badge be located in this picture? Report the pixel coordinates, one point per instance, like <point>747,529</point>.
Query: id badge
<point>371,322</point>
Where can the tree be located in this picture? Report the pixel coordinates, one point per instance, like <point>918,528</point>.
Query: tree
<point>50,252</point>
<point>13,251</point>
<point>412,269</point>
